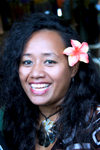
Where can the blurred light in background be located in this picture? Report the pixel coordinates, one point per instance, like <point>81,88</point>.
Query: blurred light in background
<point>59,12</point>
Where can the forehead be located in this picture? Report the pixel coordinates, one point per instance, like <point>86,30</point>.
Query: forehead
<point>45,41</point>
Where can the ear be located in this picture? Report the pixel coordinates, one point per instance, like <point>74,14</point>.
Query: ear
<point>74,70</point>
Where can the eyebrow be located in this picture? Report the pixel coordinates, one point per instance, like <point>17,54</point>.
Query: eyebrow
<point>43,54</point>
<point>50,54</point>
<point>27,54</point>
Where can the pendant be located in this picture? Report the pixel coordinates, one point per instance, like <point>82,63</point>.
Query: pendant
<point>46,133</point>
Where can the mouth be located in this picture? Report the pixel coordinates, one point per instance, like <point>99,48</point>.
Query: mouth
<point>39,89</point>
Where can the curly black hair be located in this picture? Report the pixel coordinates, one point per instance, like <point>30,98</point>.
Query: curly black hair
<point>21,116</point>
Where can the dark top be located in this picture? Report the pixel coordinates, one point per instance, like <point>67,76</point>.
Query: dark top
<point>66,144</point>
<point>92,134</point>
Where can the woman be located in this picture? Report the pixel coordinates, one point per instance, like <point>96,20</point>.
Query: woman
<point>51,88</point>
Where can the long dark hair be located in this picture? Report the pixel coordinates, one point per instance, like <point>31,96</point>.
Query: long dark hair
<point>21,116</point>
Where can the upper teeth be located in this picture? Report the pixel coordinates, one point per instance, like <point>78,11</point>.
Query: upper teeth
<point>39,85</point>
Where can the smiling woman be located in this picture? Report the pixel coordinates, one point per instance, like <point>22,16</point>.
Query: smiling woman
<point>41,70</point>
<point>50,86</point>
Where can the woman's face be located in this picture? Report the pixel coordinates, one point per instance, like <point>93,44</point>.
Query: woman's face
<point>44,72</point>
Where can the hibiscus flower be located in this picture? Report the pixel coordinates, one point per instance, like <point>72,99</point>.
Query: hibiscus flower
<point>78,52</point>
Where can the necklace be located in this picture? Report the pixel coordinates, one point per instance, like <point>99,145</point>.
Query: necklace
<point>47,132</point>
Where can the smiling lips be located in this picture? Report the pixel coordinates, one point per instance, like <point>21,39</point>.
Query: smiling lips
<point>39,88</point>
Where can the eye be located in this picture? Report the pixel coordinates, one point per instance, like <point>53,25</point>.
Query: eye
<point>50,62</point>
<point>27,62</point>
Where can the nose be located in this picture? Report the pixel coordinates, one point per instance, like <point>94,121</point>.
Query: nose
<point>37,71</point>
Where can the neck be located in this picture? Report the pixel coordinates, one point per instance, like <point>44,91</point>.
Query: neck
<point>49,111</point>
<point>50,108</point>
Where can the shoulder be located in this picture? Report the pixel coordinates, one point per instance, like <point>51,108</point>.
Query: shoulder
<point>2,143</point>
<point>96,127</point>
<point>90,135</point>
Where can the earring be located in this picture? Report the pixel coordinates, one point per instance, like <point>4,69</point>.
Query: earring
<point>73,80</point>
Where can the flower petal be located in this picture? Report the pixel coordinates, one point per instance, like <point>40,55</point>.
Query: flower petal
<point>73,60</point>
<point>78,52</point>
<point>68,51</point>
<point>84,47</point>
<point>75,43</point>
<point>84,58</point>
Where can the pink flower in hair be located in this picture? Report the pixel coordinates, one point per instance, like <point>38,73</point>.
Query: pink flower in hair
<point>78,52</point>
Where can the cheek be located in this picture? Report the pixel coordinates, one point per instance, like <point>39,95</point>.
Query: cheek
<point>64,82</point>
<point>60,73</point>
<point>23,73</point>
<point>63,78</point>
